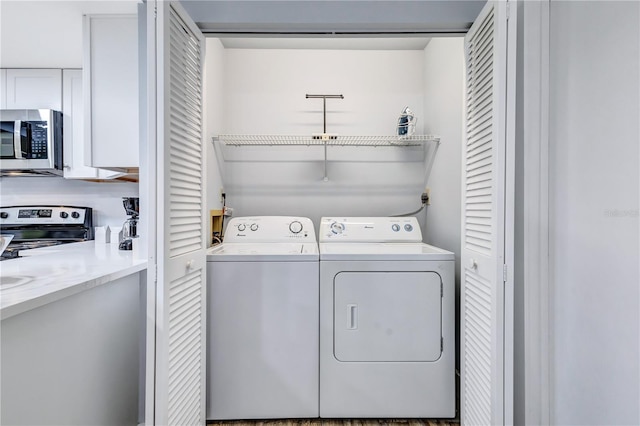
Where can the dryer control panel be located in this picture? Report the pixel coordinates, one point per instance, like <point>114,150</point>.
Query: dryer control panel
<point>370,230</point>
<point>270,229</point>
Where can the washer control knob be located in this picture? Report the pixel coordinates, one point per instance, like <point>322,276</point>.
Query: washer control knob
<point>75,215</point>
<point>254,227</point>
<point>4,215</point>
<point>395,227</point>
<point>242,227</point>
<point>64,215</point>
<point>408,227</point>
<point>295,227</point>
<point>337,227</point>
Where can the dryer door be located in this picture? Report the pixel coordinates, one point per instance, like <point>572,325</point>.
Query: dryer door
<point>387,316</point>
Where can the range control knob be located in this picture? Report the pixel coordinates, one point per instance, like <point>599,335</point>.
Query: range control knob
<point>395,227</point>
<point>295,227</point>
<point>241,227</point>
<point>337,227</point>
<point>4,215</point>
<point>408,227</point>
<point>75,215</point>
<point>254,227</point>
<point>64,215</point>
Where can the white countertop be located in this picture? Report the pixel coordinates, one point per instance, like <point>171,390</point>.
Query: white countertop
<point>48,274</point>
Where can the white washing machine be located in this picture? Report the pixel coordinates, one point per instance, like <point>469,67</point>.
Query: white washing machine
<point>387,345</point>
<point>263,302</point>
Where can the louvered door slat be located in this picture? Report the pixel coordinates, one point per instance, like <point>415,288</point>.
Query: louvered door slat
<point>478,349</point>
<point>482,110</point>
<point>479,129</point>
<point>189,171</point>
<point>186,146</point>
<point>185,335</point>
<point>480,147</point>
<point>184,150</point>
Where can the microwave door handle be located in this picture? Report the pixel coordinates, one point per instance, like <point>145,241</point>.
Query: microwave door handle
<point>17,139</point>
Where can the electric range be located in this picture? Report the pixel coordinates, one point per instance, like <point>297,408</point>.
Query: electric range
<point>36,226</point>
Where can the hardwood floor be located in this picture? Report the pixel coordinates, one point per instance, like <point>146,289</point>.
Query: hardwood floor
<point>340,422</point>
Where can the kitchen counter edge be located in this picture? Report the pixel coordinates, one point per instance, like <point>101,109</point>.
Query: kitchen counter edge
<point>107,264</point>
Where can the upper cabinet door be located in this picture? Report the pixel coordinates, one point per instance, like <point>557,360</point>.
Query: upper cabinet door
<point>74,134</point>
<point>33,89</point>
<point>3,88</point>
<point>73,127</point>
<point>111,91</point>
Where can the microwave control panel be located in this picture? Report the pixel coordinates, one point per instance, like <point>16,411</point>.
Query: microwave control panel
<point>38,140</point>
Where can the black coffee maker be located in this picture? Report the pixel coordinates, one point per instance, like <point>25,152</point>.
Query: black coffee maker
<point>130,226</point>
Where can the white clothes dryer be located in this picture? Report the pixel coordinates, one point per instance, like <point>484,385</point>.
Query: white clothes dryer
<point>387,320</point>
<point>263,302</point>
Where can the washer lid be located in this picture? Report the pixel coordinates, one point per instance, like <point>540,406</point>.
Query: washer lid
<point>382,251</point>
<point>263,252</point>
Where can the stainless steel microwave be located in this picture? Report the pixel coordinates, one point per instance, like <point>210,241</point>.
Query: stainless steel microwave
<point>31,142</point>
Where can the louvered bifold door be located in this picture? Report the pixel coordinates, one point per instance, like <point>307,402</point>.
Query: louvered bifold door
<point>181,316</point>
<point>484,393</point>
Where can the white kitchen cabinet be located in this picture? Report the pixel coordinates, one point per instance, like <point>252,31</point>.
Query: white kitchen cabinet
<point>110,72</point>
<point>74,361</point>
<point>3,88</point>
<point>74,130</point>
<point>32,88</point>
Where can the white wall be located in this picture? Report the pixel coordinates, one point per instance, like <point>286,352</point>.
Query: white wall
<point>264,93</point>
<point>595,166</point>
<point>48,34</point>
<point>213,121</point>
<point>104,197</point>
<point>265,90</point>
<point>443,115</point>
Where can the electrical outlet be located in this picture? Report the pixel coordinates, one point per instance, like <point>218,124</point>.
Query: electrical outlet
<point>425,198</point>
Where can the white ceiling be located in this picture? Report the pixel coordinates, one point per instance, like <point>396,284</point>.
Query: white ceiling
<point>341,43</point>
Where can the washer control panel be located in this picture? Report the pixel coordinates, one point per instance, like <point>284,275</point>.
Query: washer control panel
<point>370,229</point>
<point>269,229</point>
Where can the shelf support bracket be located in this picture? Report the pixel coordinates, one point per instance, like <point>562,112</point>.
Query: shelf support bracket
<point>325,137</point>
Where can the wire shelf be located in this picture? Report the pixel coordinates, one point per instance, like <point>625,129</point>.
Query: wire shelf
<point>328,139</point>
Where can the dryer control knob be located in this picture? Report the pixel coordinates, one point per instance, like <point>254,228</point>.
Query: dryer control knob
<point>408,227</point>
<point>337,227</point>
<point>395,227</point>
<point>75,215</point>
<point>242,227</point>
<point>254,227</point>
<point>295,227</point>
